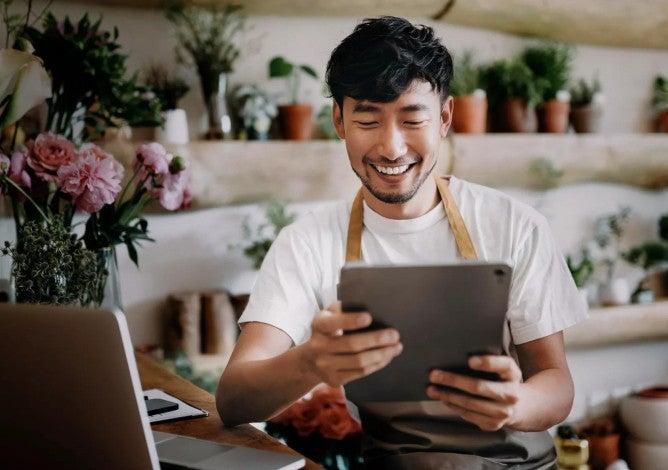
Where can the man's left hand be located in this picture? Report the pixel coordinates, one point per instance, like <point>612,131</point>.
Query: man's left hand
<point>488,404</point>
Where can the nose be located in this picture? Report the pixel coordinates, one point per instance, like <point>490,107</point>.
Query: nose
<point>392,142</point>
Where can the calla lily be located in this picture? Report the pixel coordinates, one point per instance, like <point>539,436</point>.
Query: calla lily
<point>24,83</point>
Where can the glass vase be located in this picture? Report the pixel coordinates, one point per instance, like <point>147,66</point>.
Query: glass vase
<point>109,289</point>
<point>218,116</point>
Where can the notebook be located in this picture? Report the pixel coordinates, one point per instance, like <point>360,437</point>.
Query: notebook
<point>71,398</point>
<point>444,313</point>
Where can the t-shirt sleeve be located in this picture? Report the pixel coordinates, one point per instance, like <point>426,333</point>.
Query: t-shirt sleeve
<point>543,298</point>
<point>284,295</point>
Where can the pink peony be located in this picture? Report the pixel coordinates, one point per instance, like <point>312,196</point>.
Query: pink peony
<point>153,158</point>
<point>48,153</point>
<point>17,170</point>
<point>91,182</point>
<point>175,192</point>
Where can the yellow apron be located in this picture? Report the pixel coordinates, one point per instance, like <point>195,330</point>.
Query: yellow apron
<point>424,435</point>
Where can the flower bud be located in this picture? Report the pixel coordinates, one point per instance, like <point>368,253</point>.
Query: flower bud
<point>177,164</point>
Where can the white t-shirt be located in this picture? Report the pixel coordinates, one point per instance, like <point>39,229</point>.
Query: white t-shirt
<point>301,271</point>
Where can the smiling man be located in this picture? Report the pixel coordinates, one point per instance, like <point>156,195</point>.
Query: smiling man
<point>389,81</point>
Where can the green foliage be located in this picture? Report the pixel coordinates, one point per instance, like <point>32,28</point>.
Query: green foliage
<point>504,80</point>
<point>550,64</point>
<point>169,90</point>
<point>50,265</point>
<point>651,253</point>
<point>545,174</point>
<point>467,76</point>
<point>324,120</point>
<point>582,271</point>
<point>608,233</point>
<point>660,94</point>
<point>262,236</point>
<point>279,67</point>
<point>88,79</point>
<point>582,93</point>
<point>207,39</point>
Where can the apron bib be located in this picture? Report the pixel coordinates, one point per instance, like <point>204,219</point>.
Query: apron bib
<point>424,434</point>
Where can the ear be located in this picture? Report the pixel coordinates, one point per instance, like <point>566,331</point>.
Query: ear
<point>337,118</point>
<point>446,115</point>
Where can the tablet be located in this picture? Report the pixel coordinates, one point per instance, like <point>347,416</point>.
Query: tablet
<point>444,314</point>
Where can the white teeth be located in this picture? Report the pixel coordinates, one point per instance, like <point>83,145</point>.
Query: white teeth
<point>391,170</point>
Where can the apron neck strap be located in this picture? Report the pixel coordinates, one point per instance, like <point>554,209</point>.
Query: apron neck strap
<point>462,237</point>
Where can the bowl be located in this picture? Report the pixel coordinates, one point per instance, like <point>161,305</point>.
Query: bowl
<point>645,415</point>
<point>644,455</point>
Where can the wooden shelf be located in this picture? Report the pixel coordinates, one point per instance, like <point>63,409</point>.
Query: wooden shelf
<point>235,172</point>
<point>624,324</point>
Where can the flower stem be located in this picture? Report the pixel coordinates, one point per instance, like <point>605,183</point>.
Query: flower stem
<point>32,201</point>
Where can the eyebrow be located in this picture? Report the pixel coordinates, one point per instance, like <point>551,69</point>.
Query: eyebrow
<point>365,107</point>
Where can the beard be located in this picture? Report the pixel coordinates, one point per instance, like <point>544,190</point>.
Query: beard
<point>394,198</point>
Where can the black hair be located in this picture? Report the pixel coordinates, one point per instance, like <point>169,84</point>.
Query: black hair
<point>380,59</point>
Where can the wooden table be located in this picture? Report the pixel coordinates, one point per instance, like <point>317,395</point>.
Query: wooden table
<point>153,375</point>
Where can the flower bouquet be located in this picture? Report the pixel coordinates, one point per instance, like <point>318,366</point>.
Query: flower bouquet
<point>48,180</point>
<point>58,256</point>
<point>319,427</point>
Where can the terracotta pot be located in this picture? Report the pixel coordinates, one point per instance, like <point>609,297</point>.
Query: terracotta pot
<point>586,119</point>
<point>553,116</point>
<point>517,116</point>
<point>470,115</point>
<point>603,450</point>
<point>663,121</point>
<point>296,121</point>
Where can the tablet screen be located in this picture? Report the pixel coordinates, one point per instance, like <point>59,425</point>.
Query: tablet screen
<point>444,314</point>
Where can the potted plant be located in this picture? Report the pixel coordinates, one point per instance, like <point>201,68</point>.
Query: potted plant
<point>582,272</point>
<point>470,100</point>
<point>512,95</point>
<point>206,38</point>
<point>660,101</point>
<point>652,257</point>
<point>261,237</point>
<point>296,118</point>
<point>551,65</point>
<point>608,232</point>
<point>169,90</point>
<point>255,108</point>
<point>586,105</point>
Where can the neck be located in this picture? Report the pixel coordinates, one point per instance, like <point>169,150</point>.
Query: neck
<point>424,200</point>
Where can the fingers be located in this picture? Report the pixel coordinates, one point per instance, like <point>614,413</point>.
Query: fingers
<point>504,366</point>
<point>332,322</point>
<point>342,368</point>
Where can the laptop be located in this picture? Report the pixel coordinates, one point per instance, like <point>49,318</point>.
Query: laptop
<point>71,398</point>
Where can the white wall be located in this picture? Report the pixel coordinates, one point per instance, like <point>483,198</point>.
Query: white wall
<point>626,74</point>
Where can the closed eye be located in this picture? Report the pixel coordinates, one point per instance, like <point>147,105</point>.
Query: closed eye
<point>366,123</point>
<point>415,123</point>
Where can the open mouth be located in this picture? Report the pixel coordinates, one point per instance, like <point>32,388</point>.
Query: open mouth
<point>392,170</point>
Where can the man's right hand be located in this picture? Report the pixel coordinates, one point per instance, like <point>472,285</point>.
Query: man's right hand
<point>337,358</point>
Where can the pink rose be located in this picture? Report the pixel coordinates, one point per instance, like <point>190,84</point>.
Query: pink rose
<point>48,153</point>
<point>91,182</point>
<point>153,158</point>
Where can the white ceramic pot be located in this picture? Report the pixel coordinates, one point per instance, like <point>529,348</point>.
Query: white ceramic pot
<point>642,455</point>
<point>646,417</point>
<point>615,292</point>
<point>174,129</point>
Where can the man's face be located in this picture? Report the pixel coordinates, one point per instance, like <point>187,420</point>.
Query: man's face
<point>393,146</point>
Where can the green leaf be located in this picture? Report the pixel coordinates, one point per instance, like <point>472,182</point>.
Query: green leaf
<point>309,71</point>
<point>279,67</point>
